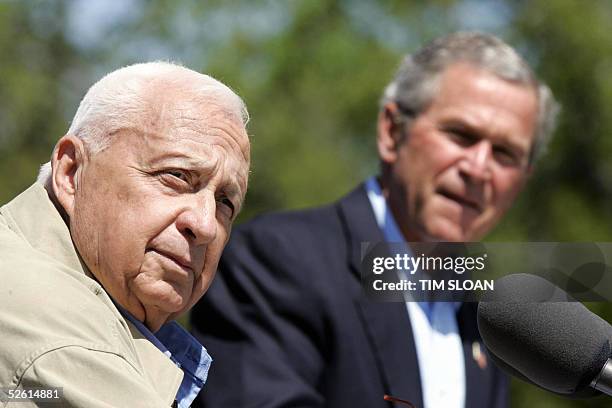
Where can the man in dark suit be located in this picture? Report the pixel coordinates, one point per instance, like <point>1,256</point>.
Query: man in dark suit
<point>287,322</point>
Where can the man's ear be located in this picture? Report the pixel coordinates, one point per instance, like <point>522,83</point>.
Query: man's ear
<point>388,133</point>
<point>67,162</point>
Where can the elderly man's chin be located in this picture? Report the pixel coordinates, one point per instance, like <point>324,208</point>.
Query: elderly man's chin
<point>161,300</point>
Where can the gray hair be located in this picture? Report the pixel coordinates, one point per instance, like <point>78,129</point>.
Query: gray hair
<point>119,98</point>
<point>416,80</point>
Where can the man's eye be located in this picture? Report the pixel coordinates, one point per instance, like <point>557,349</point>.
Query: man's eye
<point>178,174</point>
<point>181,175</point>
<point>461,137</point>
<point>505,156</point>
<point>227,206</point>
<point>175,179</point>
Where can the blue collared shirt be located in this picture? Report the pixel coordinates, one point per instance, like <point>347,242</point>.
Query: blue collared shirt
<point>434,325</point>
<point>184,350</point>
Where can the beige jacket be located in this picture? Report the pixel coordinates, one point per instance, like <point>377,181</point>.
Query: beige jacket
<point>59,328</point>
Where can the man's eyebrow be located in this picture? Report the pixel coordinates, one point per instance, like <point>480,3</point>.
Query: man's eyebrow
<point>465,126</point>
<point>183,160</point>
<point>233,188</point>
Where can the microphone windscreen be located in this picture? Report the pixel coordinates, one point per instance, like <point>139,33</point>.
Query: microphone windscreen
<point>542,334</point>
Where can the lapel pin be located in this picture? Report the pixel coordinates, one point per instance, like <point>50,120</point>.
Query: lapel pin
<point>479,356</point>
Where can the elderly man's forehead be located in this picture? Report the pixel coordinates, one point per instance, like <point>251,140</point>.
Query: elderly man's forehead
<point>176,111</point>
<point>163,97</point>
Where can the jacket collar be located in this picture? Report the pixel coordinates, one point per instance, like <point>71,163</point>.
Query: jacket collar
<point>46,231</point>
<point>165,376</point>
<point>33,216</point>
<point>359,225</point>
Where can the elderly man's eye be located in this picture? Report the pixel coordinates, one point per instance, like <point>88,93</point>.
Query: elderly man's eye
<point>178,174</point>
<point>226,206</point>
<point>175,179</point>
<point>174,176</point>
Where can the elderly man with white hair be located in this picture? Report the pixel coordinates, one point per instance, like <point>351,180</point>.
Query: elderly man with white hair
<point>121,233</point>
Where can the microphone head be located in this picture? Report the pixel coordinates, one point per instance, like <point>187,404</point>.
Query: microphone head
<point>542,335</point>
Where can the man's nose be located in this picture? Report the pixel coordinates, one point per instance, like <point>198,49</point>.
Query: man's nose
<point>198,221</point>
<point>477,162</point>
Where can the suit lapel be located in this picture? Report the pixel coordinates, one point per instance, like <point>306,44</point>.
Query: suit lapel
<point>386,323</point>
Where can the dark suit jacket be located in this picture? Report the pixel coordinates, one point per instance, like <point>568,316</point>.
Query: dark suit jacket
<point>288,325</point>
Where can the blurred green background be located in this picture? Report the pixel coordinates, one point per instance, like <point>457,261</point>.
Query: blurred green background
<point>311,73</point>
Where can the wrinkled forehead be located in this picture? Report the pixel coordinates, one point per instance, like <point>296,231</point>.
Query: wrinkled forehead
<point>178,113</point>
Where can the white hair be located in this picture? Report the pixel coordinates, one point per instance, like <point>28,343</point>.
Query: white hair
<point>117,100</point>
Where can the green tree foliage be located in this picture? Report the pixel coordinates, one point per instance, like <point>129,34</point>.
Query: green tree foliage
<point>34,55</point>
<point>312,73</point>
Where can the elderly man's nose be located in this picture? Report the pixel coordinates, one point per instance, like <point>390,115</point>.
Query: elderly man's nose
<point>199,222</point>
<point>477,163</point>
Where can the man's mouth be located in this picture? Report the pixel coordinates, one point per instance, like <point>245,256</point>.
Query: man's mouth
<point>462,200</point>
<point>183,262</point>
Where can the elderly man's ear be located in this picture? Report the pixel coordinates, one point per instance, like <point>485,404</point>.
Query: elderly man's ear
<point>389,133</point>
<point>67,162</point>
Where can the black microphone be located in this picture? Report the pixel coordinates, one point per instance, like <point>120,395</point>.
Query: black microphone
<point>537,332</point>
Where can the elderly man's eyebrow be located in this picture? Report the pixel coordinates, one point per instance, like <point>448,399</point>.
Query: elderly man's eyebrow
<point>232,188</point>
<point>184,160</point>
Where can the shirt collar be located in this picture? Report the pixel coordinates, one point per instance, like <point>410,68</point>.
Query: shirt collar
<point>184,350</point>
<point>382,212</point>
<point>386,222</point>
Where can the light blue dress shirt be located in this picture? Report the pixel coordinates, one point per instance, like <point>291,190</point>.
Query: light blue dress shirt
<point>184,350</point>
<point>434,326</point>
